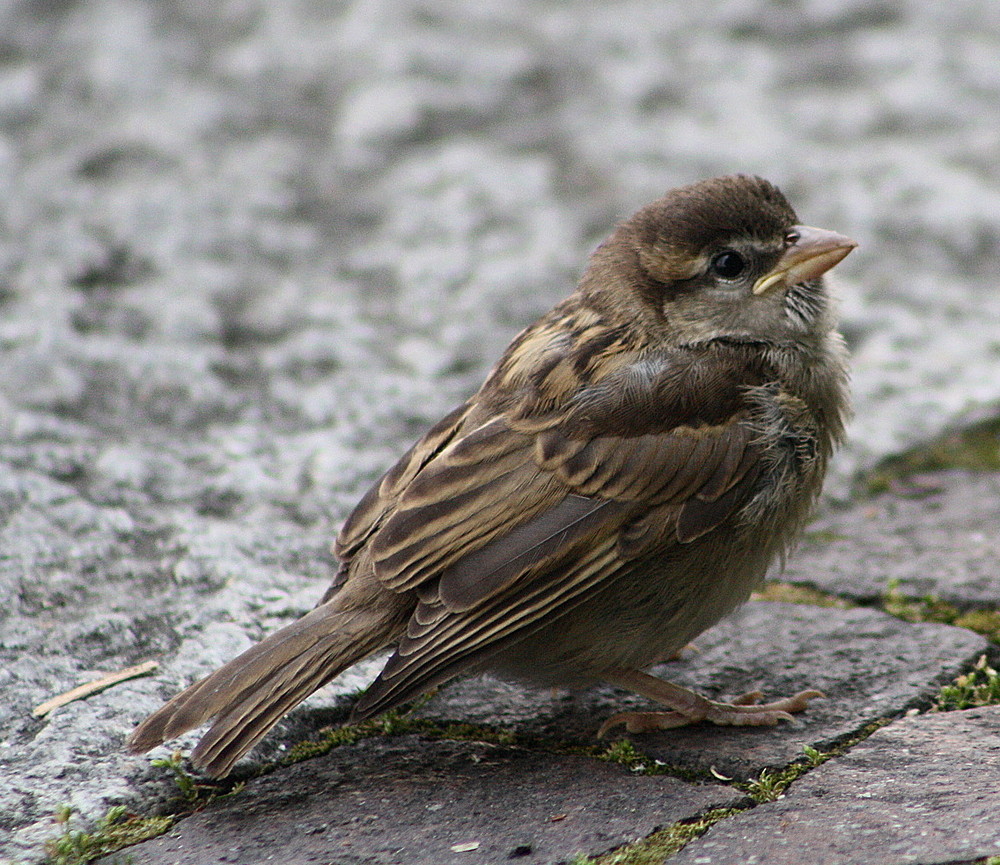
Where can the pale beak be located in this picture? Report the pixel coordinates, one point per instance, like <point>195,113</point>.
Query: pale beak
<point>812,253</point>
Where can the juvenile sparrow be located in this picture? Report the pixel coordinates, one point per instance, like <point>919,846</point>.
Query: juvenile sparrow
<point>620,482</point>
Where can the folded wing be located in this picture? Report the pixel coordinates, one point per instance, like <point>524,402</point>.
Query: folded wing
<point>515,519</point>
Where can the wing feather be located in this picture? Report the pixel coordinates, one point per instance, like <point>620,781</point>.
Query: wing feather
<point>433,655</point>
<point>368,514</point>
<point>514,516</point>
<point>493,567</point>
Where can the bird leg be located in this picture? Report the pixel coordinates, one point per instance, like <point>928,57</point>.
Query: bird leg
<point>687,707</point>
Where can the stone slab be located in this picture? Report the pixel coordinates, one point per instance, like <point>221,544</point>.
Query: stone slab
<point>868,664</point>
<point>922,791</point>
<point>940,539</point>
<point>383,802</point>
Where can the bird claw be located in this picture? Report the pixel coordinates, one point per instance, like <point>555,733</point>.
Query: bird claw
<point>744,711</point>
<point>747,711</point>
<point>644,722</point>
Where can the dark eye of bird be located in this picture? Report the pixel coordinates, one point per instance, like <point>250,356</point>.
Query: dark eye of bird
<point>728,264</point>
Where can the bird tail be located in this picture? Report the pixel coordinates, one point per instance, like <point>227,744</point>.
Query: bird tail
<point>251,693</point>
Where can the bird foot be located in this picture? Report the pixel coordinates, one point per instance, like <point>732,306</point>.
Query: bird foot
<point>687,707</point>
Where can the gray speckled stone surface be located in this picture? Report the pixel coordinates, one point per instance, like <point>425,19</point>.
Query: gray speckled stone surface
<point>249,251</point>
<point>369,802</point>
<point>411,801</point>
<point>868,665</point>
<point>941,540</point>
<point>923,790</point>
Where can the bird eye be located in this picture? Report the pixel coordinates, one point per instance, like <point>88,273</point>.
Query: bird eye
<point>728,264</point>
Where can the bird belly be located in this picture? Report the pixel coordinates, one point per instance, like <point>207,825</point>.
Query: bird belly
<point>640,617</point>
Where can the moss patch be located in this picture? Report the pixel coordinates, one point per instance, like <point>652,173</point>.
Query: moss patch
<point>932,609</point>
<point>985,622</point>
<point>119,828</point>
<point>396,723</point>
<point>626,754</point>
<point>975,448</point>
<point>979,687</point>
<point>194,792</point>
<point>772,783</point>
<point>790,593</point>
<point>767,787</point>
<point>658,846</point>
<point>115,830</point>
<point>926,609</point>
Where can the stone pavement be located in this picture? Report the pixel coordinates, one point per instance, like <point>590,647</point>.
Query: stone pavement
<point>248,251</point>
<point>923,789</point>
<point>524,779</point>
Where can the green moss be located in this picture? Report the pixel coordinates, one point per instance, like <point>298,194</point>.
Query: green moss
<point>985,622</point>
<point>624,753</point>
<point>932,609</point>
<point>980,687</point>
<point>195,792</point>
<point>395,723</point>
<point>974,448</point>
<point>666,842</point>
<point>658,846</point>
<point>474,733</point>
<point>118,828</point>
<point>822,537</point>
<point>771,783</point>
<point>115,830</point>
<point>926,609</point>
<point>188,786</point>
<point>790,593</point>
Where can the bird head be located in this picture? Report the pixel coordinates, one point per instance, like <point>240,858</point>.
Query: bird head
<point>725,258</point>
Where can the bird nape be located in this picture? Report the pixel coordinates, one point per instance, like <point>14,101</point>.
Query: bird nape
<point>622,480</point>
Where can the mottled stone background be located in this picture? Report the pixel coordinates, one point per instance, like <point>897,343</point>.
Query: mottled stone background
<point>249,250</point>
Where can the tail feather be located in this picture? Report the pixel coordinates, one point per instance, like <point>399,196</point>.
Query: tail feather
<point>248,695</point>
<point>234,733</point>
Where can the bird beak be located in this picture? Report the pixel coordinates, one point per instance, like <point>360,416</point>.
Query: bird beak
<point>812,252</point>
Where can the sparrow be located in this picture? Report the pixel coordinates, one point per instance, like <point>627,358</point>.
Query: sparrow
<point>622,480</point>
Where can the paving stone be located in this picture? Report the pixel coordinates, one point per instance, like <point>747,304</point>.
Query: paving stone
<point>868,664</point>
<point>922,791</point>
<point>440,803</point>
<point>941,539</point>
